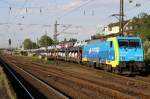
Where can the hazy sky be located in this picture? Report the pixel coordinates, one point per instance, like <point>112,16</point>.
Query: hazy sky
<point>33,18</point>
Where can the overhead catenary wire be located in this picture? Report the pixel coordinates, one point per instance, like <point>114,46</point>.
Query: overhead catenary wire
<point>13,34</point>
<point>12,4</point>
<point>128,10</point>
<point>61,16</point>
<point>6,2</point>
<point>84,4</point>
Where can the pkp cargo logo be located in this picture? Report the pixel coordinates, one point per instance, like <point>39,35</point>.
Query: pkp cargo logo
<point>94,50</point>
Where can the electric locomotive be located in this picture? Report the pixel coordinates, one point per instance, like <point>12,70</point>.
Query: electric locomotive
<point>119,54</point>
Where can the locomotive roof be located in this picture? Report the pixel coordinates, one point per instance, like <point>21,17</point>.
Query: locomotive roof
<point>118,37</point>
<point>127,37</point>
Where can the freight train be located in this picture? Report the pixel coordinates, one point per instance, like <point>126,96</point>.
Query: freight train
<point>122,55</point>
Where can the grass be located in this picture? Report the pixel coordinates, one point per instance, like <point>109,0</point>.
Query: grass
<point>1,78</point>
<point>36,59</point>
<point>5,85</point>
<point>50,62</point>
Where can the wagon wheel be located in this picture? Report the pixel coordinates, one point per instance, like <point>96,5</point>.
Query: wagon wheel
<point>105,68</point>
<point>89,64</point>
<point>110,69</point>
<point>93,65</point>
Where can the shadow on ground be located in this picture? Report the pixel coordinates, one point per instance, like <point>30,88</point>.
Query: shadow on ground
<point>147,64</point>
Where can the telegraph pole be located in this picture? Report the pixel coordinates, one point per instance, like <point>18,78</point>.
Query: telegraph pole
<point>121,18</point>
<point>55,39</point>
<point>55,31</point>
<point>9,42</point>
<point>46,46</point>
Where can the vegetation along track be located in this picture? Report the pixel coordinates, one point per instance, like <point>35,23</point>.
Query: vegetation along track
<point>90,84</point>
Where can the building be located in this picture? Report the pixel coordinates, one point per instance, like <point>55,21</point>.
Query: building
<point>113,28</point>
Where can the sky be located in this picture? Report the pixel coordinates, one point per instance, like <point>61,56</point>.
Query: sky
<point>20,19</point>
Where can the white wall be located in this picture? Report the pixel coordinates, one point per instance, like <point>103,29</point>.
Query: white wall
<point>112,30</point>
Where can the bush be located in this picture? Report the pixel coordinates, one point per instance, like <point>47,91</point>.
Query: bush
<point>146,46</point>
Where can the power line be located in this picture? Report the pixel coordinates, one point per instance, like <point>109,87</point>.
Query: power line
<point>6,2</point>
<point>74,9</point>
<point>12,4</point>
<point>10,9</point>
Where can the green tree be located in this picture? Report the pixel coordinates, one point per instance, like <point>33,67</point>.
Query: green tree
<point>146,46</point>
<point>65,39</point>
<point>28,44</point>
<point>45,41</point>
<point>141,25</point>
<point>34,45</point>
<point>73,40</point>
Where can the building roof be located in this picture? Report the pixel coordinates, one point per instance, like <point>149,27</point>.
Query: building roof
<point>117,24</point>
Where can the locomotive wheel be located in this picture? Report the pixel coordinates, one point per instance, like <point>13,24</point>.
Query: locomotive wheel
<point>116,70</point>
<point>89,64</point>
<point>107,68</point>
<point>97,65</point>
<point>93,64</point>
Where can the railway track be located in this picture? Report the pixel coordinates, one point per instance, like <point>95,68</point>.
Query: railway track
<point>8,69</point>
<point>50,91</point>
<point>74,87</point>
<point>126,86</point>
<point>145,79</point>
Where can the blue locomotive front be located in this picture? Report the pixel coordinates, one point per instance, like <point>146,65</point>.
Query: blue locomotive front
<point>131,54</point>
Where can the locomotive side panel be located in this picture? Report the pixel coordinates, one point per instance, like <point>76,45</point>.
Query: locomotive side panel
<point>99,52</point>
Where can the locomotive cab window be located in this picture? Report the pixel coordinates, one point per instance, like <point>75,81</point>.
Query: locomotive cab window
<point>129,43</point>
<point>134,43</point>
<point>111,44</point>
<point>123,43</point>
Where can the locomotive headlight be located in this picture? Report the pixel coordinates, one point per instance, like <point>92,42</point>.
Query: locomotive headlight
<point>140,58</point>
<point>122,58</point>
